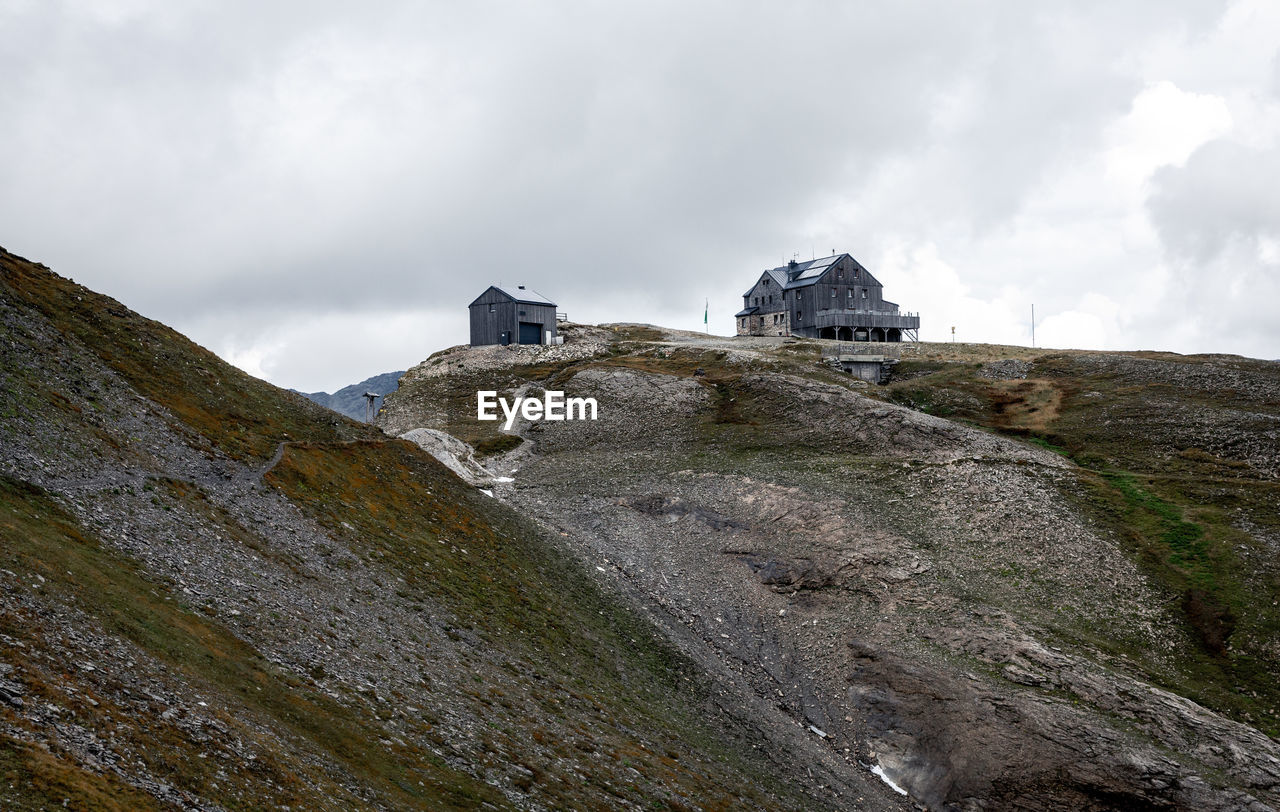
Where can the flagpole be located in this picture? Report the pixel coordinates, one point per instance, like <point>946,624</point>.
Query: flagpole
<point>706,308</point>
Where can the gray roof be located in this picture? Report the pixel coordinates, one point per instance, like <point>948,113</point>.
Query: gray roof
<point>807,273</point>
<point>747,311</point>
<point>778,275</point>
<point>804,274</point>
<point>521,293</point>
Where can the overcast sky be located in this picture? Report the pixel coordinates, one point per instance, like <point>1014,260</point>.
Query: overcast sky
<point>316,190</point>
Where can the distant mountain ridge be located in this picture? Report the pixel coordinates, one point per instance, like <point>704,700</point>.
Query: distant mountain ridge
<point>349,400</point>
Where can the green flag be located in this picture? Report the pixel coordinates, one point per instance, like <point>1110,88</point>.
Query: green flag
<point>706,305</point>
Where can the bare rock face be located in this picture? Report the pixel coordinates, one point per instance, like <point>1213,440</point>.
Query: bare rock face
<point>454,454</point>
<point>1009,369</point>
<point>919,598</point>
<point>954,742</point>
<point>670,404</point>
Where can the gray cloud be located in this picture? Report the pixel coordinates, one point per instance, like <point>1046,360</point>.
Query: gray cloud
<point>1226,193</point>
<point>1219,219</point>
<point>254,167</point>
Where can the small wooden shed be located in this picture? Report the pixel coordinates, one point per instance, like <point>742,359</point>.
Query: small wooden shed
<point>512,315</point>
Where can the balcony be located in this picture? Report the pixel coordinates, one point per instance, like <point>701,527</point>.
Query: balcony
<point>845,317</point>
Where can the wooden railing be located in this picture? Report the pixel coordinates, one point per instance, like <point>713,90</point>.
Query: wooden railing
<point>864,318</point>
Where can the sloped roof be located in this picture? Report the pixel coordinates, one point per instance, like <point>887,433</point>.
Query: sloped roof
<point>803,274</point>
<point>778,275</point>
<point>520,293</point>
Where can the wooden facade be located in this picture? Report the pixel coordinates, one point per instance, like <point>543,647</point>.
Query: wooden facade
<point>833,297</point>
<point>512,315</point>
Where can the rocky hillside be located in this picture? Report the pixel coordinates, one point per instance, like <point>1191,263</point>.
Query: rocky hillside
<point>1011,578</point>
<point>350,400</point>
<point>219,595</point>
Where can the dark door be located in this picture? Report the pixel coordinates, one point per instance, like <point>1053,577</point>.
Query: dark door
<point>530,333</point>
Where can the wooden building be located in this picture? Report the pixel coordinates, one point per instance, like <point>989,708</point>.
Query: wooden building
<point>509,315</point>
<point>833,297</point>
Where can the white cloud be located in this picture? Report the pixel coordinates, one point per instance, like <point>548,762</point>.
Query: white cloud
<point>1093,325</point>
<point>1163,128</point>
<point>322,352</point>
<point>922,282</point>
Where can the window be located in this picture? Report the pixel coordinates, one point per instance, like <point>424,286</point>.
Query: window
<point>492,308</point>
<point>833,293</point>
<point>850,293</point>
<point>864,293</point>
<point>521,312</point>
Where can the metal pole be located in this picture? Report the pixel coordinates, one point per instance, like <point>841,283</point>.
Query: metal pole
<point>1033,325</point>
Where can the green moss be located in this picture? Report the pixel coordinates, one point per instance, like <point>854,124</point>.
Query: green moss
<point>1048,445</point>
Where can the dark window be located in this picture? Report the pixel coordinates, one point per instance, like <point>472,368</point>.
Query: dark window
<point>833,293</point>
<point>521,312</point>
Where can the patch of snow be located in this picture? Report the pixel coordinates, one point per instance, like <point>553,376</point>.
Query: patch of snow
<point>504,479</point>
<point>878,770</point>
<point>486,492</point>
<point>817,732</point>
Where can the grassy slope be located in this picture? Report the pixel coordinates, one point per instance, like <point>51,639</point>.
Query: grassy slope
<point>625,713</point>
<point>604,679</point>
<point>1176,506</point>
<point>40,539</point>
<point>242,416</point>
